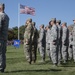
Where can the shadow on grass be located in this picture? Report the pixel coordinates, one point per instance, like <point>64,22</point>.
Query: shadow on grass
<point>43,63</point>
<point>68,65</point>
<point>40,70</point>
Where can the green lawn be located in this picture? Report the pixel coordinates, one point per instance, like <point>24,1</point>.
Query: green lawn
<point>17,65</point>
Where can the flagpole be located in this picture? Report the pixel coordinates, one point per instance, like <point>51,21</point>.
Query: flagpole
<point>18,21</point>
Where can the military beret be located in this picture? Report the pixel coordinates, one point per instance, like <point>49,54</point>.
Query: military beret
<point>53,19</point>
<point>58,21</point>
<point>73,19</point>
<point>29,19</point>
<point>2,4</point>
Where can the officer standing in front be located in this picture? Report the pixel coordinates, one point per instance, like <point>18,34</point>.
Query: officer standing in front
<point>4,23</point>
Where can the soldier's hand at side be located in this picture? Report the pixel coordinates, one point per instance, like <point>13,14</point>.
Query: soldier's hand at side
<point>26,41</point>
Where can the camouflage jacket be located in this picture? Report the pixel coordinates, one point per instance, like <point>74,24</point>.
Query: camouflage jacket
<point>28,34</point>
<point>4,23</point>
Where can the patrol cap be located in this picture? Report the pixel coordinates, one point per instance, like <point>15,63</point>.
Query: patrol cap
<point>2,4</point>
<point>30,20</point>
<point>73,19</point>
<point>64,23</point>
<point>58,21</point>
<point>53,19</point>
<point>42,25</point>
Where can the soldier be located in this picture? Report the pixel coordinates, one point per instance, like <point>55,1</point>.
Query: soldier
<point>74,40</point>
<point>53,41</point>
<point>42,42</point>
<point>65,38</point>
<point>34,42</point>
<point>70,50</point>
<point>28,40</point>
<point>58,22</point>
<point>47,41</point>
<point>4,22</point>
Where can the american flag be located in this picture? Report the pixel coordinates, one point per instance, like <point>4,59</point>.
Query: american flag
<point>27,10</point>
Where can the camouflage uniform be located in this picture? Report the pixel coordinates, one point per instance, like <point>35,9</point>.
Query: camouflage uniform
<point>59,46</point>
<point>28,41</point>
<point>42,43</point>
<point>53,42</point>
<point>47,41</point>
<point>4,22</point>
<point>34,42</point>
<point>65,41</point>
<point>70,50</point>
<point>74,42</point>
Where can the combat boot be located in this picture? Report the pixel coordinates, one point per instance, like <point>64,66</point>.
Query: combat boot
<point>2,70</point>
<point>55,65</point>
<point>65,62</point>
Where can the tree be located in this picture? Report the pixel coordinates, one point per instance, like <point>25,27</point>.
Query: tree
<point>10,34</point>
<point>13,33</point>
<point>15,29</point>
<point>22,29</point>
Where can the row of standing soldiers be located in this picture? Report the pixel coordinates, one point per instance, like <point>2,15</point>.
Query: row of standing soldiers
<point>55,40</point>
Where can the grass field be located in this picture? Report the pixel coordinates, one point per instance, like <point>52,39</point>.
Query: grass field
<point>17,65</point>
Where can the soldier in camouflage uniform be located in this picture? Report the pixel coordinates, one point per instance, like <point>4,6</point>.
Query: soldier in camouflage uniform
<point>42,42</point>
<point>4,22</point>
<point>65,39</point>
<point>70,50</point>
<point>28,40</point>
<point>53,41</point>
<point>47,41</point>
<point>59,46</point>
<point>34,42</point>
<point>74,40</point>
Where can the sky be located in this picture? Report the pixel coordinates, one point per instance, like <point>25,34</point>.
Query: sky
<point>63,10</point>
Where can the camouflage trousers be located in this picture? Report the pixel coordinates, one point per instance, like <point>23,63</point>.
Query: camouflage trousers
<point>53,53</point>
<point>64,52</point>
<point>34,50</point>
<point>27,52</point>
<point>59,46</point>
<point>48,49</point>
<point>74,52</point>
<point>3,45</point>
<point>70,52</point>
<point>42,51</point>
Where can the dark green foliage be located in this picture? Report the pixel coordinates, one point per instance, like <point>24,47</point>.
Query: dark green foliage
<point>13,33</point>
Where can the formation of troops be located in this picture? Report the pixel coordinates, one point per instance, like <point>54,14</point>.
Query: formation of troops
<point>55,40</point>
